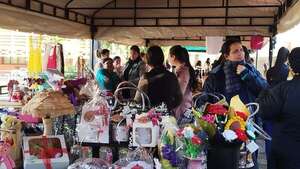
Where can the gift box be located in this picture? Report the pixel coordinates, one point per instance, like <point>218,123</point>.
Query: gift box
<point>45,152</point>
<point>145,133</point>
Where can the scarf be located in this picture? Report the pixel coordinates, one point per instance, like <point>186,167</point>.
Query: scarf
<point>232,80</point>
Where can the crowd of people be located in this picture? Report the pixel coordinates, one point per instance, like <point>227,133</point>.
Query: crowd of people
<point>232,74</point>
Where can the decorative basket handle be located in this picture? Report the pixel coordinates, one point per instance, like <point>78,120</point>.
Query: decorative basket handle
<point>127,83</point>
<point>198,96</point>
<point>143,95</point>
<point>253,112</point>
<point>256,127</point>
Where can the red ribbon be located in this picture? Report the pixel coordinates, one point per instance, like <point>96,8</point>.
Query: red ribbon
<point>103,110</point>
<point>46,161</point>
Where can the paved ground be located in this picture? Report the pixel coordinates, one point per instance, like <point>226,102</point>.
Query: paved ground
<point>261,154</point>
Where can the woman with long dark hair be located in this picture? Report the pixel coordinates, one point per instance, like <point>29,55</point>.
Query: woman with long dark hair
<point>158,83</point>
<point>179,58</point>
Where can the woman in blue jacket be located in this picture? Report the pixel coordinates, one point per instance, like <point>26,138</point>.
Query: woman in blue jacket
<point>232,77</point>
<point>106,77</point>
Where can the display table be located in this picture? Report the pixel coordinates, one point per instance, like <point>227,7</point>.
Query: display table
<point>5,103</point>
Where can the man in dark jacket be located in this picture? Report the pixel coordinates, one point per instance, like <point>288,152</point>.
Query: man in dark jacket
<point>233,77</point>
<point>280,105</point>
<point>134,69</point>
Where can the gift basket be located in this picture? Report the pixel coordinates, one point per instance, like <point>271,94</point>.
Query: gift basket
<point>90,163</point>
<point>126,115</point>
<point>11,133</point>
<point>6,160</point>
<point>228,126</point>
<point>137,159</point>
<point>249,147</point>
<point>168,152</point>
<point>94,123</point>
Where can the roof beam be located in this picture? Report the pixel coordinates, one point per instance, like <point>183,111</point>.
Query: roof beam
<point>101,8</point>
<point>179,12</point>
<point>184,25</point>
<point>134,13</point>
<point>196,17</point>
<point>27,5</point>
<point>172,7</point>
<point>226,10</point>
<point>68,3</point>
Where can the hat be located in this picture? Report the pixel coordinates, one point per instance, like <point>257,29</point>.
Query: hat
<point>294,59</point>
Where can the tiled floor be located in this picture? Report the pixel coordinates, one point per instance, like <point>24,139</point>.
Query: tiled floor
<point>261,154</point>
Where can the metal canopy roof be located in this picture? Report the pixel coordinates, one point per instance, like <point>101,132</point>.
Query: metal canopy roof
<point>134,21</point>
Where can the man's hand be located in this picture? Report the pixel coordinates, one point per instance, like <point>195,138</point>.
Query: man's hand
<point>240,69</point>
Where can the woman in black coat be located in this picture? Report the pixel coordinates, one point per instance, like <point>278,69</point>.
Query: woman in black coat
<point>280,71</point>
<point>275,75</point>
<point>159,84</point>
<point>281,106</point>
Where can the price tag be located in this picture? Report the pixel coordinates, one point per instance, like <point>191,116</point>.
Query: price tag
<point>252,147</point>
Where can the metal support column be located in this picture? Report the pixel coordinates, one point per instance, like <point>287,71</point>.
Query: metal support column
<point>93,30</point>
<point>271,47</point>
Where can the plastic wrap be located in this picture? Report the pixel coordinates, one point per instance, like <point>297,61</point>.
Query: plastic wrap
<point>138,158</point>
<point>90,163</point>
<point>94,123</point>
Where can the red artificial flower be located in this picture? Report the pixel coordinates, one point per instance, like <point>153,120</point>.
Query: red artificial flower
<point>241,135</point>
<point>137,167</point>
<point>196,140</point>
<point>179,133</point>
<point>8,140</point>
<point>217,109</point>
<point>151,113</point>
<point>241,115</point>
<point>154,121</point>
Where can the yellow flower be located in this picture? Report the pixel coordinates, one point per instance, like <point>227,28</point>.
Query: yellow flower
<point>234,123</point>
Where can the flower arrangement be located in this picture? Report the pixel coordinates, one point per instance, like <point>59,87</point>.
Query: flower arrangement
<point>224,122</point>
<point>193,141</point>
<point>170,158</point>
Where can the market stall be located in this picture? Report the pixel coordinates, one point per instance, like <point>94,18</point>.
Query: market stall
<point>99,129</point>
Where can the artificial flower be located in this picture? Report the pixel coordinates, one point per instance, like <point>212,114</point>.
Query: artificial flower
<point>137,167</point>
<point>143,119</point>
<point>196,140</point>
<point>154,121</point>
<point>188,132</point>
<point>217,109</point>
<point>169,154</point>
<point>179,133</point>
<point>234,123</point>
<point>242,115</point>
<point>209,118</point>
<point>153,116</point>
<point>250,127</point>
<point>229,135</point>
<point>241,135</point>
<point>251,134</point>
